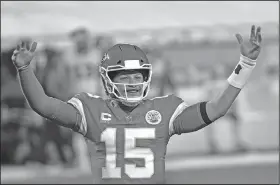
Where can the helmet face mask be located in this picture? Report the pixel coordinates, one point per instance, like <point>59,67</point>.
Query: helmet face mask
<point>115,89</point>
<point>115,61</point>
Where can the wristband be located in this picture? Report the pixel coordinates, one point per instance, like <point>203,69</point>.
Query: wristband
<point>242,72</point>
<point>23,67</point>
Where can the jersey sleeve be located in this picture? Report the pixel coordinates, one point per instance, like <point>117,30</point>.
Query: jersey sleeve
<point>188,118</point>
<point>177,106</point>
<point>79,102</point>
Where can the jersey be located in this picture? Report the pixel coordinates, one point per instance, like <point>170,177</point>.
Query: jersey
<point>131,148</point>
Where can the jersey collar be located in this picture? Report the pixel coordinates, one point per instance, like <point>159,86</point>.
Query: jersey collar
<point>120,113</point>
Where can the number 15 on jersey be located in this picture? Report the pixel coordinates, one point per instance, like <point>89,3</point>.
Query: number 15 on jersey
<point>130,151</point>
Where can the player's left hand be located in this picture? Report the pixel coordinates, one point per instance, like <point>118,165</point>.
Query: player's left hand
<point>251,48</point>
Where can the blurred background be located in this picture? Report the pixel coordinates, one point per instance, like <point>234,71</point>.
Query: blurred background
<point>193,50</point>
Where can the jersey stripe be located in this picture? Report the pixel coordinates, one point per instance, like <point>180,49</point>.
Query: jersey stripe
<point>176,113</point>
<point>203,113</point>
<point>158,97</point>
<point>79,106</point>
<point>92,96</point>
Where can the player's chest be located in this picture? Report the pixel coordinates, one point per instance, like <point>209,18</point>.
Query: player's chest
<point>148,127</point>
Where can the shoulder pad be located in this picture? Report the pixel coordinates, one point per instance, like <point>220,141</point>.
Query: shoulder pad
<point>160,97</point>
<point>85,95</point>
<point>170,97</point>
<point>170,100</point>
<point>93,96</point>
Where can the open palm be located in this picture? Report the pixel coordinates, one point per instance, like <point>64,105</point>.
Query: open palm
<point>251,48</point>
<point>23,54</point>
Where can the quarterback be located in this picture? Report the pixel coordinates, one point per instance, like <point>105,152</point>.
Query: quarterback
<point>127,134</point>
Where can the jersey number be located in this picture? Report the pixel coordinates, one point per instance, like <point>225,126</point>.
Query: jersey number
<point>130,151</point>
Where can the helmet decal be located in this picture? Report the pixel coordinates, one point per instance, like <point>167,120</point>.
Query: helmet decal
<point>105,57</point>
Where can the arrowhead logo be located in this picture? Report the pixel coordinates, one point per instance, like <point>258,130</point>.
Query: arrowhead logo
<point>105,57</point>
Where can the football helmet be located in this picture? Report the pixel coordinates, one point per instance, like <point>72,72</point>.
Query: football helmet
<point>125,57</point>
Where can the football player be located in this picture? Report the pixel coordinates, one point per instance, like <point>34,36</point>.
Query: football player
<point>127,134</point>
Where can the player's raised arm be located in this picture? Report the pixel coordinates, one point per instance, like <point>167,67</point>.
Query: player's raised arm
<point>46,106</point>
<point>249,52</point>
<point>192,118</point>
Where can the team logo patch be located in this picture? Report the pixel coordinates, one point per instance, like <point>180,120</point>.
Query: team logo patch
<point>153,117</point>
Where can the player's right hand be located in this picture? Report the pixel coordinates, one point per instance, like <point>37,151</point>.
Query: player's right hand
<point>23,54</point>
<point>251,48</point>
